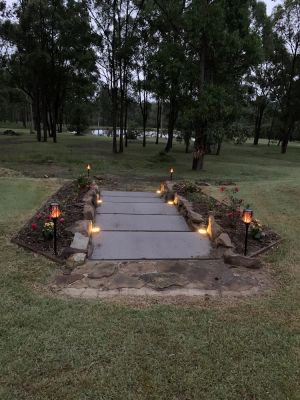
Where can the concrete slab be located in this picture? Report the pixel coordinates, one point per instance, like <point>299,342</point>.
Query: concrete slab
<point>137,209</point>
<point>158,223</point>
<point>127,194</point>
<point>150,245</point>
<point>130,199</point>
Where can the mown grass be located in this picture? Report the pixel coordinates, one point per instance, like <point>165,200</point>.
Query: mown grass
<point>54,348</point>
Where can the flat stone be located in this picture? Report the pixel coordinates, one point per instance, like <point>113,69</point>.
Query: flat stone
<point>62,280</point>
<point>242,261</point>
<point>120,280</point>
<point>81,226</point>
<point>156,223</point>
<point>89,212</point>
<point>195,217</point>
<point>75,260</point>
<point>214,230</point>
<point>68,251</point>
<point>90,293</point>
<point>128,194</point>
<point>137,209</point>
<point>150,245</point>
<point>160,281</point>
<point>130,199</point>
<point>224,240</point>
<point>80,242</point>
<point>102,271</point>
<point>73,292</point>
<point>138,268</point>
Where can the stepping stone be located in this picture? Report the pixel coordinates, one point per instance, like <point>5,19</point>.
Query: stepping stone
<point>137,209</point>
<point>150,245</point>
<point>155,223</point>
<point>131,199</point>
<point>128,194</point>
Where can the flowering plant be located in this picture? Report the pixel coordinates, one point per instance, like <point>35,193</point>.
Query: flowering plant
<point>43,225</point>
<point>256,230</point>
<point>234,203</point>
<point>48,230</point>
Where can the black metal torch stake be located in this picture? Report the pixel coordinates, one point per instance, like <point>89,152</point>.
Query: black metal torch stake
<point>55,236</point>
<point>246,239</point>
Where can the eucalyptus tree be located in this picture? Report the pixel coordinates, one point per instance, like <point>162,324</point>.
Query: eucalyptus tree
<point>260,77</point>
<point>167,60</point>
<point>220,47</point>
<point>286,60</point>
<point>116,25</point>
<point>44,58</point>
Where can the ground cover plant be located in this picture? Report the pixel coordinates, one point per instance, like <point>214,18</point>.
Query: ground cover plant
<point>55,348</point>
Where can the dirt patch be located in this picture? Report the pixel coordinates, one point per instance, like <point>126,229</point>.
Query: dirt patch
<point>34,235</point>
<point>6,172</point>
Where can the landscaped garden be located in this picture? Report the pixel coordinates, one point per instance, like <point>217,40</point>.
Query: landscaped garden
<point>149,200</point>
<point>184,348</point>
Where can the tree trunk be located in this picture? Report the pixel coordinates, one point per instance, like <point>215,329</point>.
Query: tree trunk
<point>219,148</point>
<point>125,122</point>
<point>144,130</point>
<point>259,116</point>
<point>171,124</point>
<point>37,118</point>
<point>199,149</point>
<point>158,120</point>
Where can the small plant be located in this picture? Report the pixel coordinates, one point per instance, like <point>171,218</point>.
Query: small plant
<point>234,203</point>
<point>191,187</point>
<point>44,226</point>
<point>82,181</point>
<point>256,230</point>
<point>48,230</point>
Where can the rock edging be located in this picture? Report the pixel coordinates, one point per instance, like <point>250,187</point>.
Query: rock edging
<point>81,246</point>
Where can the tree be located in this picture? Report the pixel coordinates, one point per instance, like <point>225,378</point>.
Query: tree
<point>45,59</point>
<point>220,48</point>
<point>286,59</point>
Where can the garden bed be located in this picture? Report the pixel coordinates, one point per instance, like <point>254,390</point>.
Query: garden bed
<point>31,236</point>
<point>233,226</point>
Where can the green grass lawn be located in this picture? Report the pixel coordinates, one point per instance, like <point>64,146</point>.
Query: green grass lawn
<point>54,348</point>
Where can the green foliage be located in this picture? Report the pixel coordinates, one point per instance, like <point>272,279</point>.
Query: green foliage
<point>238,134</point>
<point>233,202</point>
<point>82,181</point>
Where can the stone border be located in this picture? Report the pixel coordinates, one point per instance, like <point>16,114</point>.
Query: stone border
<point>81,247</point>
<point>219,238</point>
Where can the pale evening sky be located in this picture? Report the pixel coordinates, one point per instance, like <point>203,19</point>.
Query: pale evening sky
<point>270,4</point>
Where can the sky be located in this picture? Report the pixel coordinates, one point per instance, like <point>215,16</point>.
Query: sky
<point>271,4</point>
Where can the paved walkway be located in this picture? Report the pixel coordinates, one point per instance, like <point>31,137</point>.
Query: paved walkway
<point>140,225</point>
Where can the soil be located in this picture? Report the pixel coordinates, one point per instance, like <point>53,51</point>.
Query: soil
<point>69,197</point>
<point>204,204</point>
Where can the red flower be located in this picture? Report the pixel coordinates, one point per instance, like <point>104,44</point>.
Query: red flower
<point>62,220</point>
<point>34,227</point>
<point>222,189</point>
<point>237,189</point>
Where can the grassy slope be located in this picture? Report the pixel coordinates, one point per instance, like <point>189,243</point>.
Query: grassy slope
<point>70,349</point>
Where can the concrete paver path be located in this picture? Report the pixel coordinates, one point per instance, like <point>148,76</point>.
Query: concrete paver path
<point>140,225</point>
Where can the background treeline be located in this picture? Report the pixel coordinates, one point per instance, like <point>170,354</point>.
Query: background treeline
<point>207,68</point>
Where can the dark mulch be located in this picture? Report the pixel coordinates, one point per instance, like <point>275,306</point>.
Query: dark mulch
<point>204,204</point>
<point>30,236</point>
